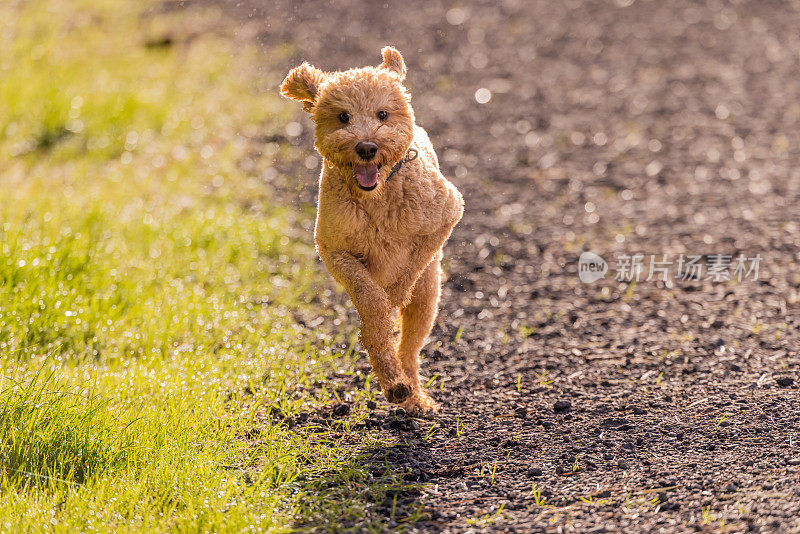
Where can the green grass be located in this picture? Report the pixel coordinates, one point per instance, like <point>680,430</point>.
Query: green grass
<point>148,289</point>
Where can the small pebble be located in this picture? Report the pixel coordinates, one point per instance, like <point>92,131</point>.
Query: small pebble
<point>341,409</point>
<point>534,472</point>
<point>562,406</point>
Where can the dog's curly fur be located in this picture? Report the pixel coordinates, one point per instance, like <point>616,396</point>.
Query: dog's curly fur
<point>383,245</point>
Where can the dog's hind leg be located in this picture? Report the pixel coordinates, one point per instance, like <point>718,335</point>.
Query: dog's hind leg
<point>417,320</point>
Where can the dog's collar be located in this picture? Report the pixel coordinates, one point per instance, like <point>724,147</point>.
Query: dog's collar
<point>411,155</point>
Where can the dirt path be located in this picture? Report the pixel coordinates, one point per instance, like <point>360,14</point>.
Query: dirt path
<point>653,128</point>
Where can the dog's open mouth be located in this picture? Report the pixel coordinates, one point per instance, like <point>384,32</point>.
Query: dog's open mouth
<point>367,176</point>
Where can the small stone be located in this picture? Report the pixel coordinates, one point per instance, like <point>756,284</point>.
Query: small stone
<point>534,472</point>
<point>785,381</point>
<point>729,488</point>
<point>560,470</point>
<point>622,464</point>
<point>521,412</point>
<point>341,409</point>
<point>793,461</point>
<point>561,406</point>
<point>396,424</point>
<point>371,404</point>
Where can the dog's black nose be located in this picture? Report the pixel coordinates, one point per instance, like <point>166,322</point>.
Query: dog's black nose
<point>366,149</point>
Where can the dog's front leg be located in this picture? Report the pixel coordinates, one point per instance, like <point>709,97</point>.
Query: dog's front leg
<point>377,323</point>
<point>448,212</point>
<point>426,248</point>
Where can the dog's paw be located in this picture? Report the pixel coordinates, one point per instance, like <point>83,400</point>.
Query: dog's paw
<point>397,393</point>
<point>420,405</point>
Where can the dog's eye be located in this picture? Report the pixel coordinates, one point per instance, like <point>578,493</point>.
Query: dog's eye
<point>383,115</point>
<point>344,117</point>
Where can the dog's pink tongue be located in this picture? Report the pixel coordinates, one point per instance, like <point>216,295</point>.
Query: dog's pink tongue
<point>367,175</point>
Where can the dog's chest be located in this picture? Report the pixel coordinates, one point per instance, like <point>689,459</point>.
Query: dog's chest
<point>378,237</point>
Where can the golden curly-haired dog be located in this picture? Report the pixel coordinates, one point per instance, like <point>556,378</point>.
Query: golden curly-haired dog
<point>384,212</point>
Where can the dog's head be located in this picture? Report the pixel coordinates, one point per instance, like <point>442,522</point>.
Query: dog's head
<point>364,121</point>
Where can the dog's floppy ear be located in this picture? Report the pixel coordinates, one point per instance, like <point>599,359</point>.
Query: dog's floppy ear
<point>393,61</point>
<point>302,83</point>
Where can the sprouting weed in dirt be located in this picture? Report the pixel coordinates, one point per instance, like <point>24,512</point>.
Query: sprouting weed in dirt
<point>458,334</point>
<point>414,516</point>
<point>741,509</point>
<point>367,388</point>
<point>721,419</point>
<point>655,501</point>
<point>590,500</point>
<point>431,380</point>
<point>394,505</point>
<point>537,495</point>
<point>631,290</point>
<point>576,466</point>
<point>626,503</point>
<point>544,381</point>
<point>519,383</point>
<point>486,518</point>
<point>459,427</point>
<point>431,432</point>
<point>658,380</point>
<point>707,515</point>
<point>526,331</point>
<point>494,470</point>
